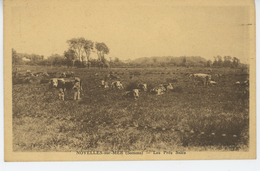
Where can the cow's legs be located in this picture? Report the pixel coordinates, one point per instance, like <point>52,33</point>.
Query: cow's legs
<point>78,95</point>
<point>75,95</point>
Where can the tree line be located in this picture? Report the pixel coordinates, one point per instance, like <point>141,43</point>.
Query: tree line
<point>80,49</point>
<point>78,54</point>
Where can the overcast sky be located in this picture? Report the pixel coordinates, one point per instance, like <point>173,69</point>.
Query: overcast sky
<point>132,29</point>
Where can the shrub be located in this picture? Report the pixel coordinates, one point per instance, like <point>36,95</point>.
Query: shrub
<point>78,64</point>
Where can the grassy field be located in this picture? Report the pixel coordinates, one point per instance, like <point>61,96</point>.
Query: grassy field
<point>188,118</point>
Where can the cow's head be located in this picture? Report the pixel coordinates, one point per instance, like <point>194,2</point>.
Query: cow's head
<point>102,82</point>
<point>191,75</point>
<point>119,85</point>
<point>45,74</point>
<point>63,75</point>
<point>170,87</point>
<point>136,93</point>
<point>106,85</point>
<point>143,87</point>
<point>54,82</point>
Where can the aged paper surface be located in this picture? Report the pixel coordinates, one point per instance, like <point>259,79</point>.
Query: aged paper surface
<point>129,80</point>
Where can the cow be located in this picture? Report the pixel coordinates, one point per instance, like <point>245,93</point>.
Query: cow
<point>111,76</point>
<point>237,83</point>
<point>67,84</point>
<point>168,86</point>
<point>45,74</point>
<point>218,75</point>
<point>246,83</point>
<point>29,73</point>
<point>159,90</point>
<point>133,94</point>
<point>69,74</point>
<point>104,84</point>
<point>203,78</point>
<point>63,75</point>
<point>142,86</point>
<point>117,84</point>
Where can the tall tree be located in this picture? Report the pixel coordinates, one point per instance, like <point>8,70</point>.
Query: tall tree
<point>88,47</point>
<point>102,49</point>
<point>220,61</point>
<point>227,61</point>
<point>77,44</point>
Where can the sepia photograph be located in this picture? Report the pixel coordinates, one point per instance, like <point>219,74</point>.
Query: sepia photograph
<point>129,80</point>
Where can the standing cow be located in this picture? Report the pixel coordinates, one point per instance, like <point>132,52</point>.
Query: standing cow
<point>203,78</point>
<point>67,84</point>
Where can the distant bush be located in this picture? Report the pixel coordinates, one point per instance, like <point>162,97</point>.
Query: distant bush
<point>79,64</point>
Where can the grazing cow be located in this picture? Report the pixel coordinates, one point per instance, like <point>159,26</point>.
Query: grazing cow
<point>63,75</point>
<point>117,84</point>
<point>133,94</point>
<point>66,84</point>
<point>168,86</point>
<point>237,83</point>
<point>190,75</point>
<point>45,74</point>
<point>218,75</point>
<point>29,73</point>
<point>69,74</point>
<point>203,78</point>
<point>246,83</point>
<point>159,90</point>
<point>110,76</point>
<point>142,87</point>
<point>104,84</point>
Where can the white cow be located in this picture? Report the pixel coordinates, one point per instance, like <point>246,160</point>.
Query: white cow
<point>117,84</point>
<point>204,78</point>
<point>133,94</point>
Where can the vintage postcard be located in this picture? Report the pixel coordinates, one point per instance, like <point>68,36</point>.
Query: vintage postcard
<point>88,80</point>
